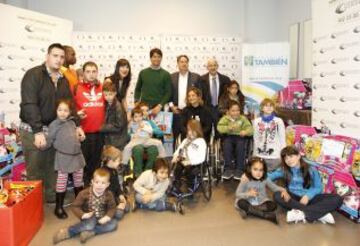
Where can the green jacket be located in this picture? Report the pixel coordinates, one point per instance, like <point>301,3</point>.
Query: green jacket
<point>153,87</point>
<point>240,124</point>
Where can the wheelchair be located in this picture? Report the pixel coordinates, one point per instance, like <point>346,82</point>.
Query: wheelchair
<point>216,156</point>
<point>202,182</point>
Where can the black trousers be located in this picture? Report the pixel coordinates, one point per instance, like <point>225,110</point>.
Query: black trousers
<point>316,208</point>
<point>189,172</point>
<point>91,148</point>
<point>268,206</point>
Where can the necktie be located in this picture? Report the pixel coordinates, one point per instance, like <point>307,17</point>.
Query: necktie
<point>214,96</point>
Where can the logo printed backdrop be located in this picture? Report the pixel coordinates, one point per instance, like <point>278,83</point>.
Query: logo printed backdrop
<point>336,66</point>
<point>265,70</point>
<point>106,48</point>
<point>26,36</point>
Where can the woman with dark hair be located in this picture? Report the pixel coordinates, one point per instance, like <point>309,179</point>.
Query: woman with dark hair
<point>195,109</point>
<point>232,92</point>
<point>121,78</point>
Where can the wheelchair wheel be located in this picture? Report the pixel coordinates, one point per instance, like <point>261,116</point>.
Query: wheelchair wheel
<point>206,182</point>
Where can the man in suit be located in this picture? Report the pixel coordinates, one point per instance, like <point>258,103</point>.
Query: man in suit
<point>181,82</point>
<point>213,85</point>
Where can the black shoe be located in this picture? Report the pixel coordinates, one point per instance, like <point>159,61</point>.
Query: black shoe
<point>272,217</point>
<point>59,208</point>
<point>179,207</point>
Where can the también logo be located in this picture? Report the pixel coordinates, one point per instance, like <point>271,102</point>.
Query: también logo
<point>255,61</point>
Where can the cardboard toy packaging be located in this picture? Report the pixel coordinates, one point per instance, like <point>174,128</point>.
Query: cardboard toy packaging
<point>297,134</point>
<point>345,186</point>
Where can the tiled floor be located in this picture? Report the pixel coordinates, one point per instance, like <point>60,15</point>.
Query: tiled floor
<point>214,223</point>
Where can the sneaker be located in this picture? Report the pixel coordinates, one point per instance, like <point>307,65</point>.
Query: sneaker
<point>86,235</point>
<point>228,174</point>
<point>295,215</point>
<point>61,235</point>
<point>238,174</point>
<point>327,219</point>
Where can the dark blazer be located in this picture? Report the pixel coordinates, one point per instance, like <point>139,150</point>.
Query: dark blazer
<point>205,85</point>
<point>193,80</point>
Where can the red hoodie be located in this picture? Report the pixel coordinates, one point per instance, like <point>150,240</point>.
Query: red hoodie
<point>90,98</point>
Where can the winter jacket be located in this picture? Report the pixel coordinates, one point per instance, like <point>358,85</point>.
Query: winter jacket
<point>39,96</point>
<point>115,125</point>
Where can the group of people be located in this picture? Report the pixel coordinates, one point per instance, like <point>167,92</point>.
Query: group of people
<point>78,126</point>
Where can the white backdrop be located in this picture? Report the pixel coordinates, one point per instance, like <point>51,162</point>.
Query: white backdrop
<point>106,48</point>
<point>25,36</point>
<point>336,66</point>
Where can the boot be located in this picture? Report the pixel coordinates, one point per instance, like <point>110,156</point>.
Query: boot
<point>270,216</point>
<point>61,235</point>
<point>59,208</point>
<point>77,190</point>
<point>243,213</point>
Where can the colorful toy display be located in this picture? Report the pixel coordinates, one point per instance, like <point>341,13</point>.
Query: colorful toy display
<point>337,159</point>
<point>297,135</point>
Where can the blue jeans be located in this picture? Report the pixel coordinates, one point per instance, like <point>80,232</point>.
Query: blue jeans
<point>234,144</point>
<point>158,205</point>
<point>92,225</point>
<point>119,214</point>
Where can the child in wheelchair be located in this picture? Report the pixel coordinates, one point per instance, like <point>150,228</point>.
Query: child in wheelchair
<point>188,157</point>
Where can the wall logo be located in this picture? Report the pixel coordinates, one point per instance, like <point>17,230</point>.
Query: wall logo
<point>255,61</point>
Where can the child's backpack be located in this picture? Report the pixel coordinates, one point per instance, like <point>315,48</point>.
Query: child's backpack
<point>345,186</point>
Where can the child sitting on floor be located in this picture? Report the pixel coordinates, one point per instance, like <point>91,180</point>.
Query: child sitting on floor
<point>95,207</point>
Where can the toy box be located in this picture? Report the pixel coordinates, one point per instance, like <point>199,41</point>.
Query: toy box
<point>338,152</point>
<point>164,121</point>
<point>312,148</point>
<point>295,96</point>
<point>326,175</point>
<point>20,222</point>
<point>297,134</point>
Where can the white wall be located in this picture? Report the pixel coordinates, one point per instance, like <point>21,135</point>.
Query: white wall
<point>148,17</point>
<point>255,20</point>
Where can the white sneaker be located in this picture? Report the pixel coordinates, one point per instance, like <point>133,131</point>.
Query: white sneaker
<point>327,218</point>
<point>295,215</point>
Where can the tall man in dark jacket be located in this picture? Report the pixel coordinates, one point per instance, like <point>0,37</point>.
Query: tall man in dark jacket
<point>213,85</point>
<point>41,87</point>
<point>181,82</point>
